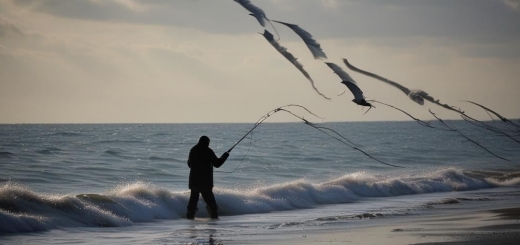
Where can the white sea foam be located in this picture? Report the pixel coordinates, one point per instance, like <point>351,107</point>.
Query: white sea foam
<point>22,210</point>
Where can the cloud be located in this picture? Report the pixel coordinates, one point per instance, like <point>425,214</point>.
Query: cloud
<point>475,19</point>
<point>465,21</point>
<point>514,4</point>
<point>59,78</point>
<point>202,15</point>
<point>7,28</point>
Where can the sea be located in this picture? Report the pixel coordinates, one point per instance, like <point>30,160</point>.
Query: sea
<point>128,183</point>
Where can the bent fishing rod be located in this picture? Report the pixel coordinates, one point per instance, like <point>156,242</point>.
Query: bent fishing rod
<point>267,115</point>
<point>320,128</point>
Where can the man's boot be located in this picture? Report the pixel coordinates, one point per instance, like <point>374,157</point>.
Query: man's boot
<point>213,213</point>
<point>191,214</point>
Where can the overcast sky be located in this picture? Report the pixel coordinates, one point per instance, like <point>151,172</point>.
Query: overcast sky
<point>146,61</point>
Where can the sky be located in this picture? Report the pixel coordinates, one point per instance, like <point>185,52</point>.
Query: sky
<point>198,61</point>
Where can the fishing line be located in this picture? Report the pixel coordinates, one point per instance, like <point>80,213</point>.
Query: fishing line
<point>244,157</point>
<point>338,139</point>
<point>322,129</point>
<point>496,114</point>
<point>338,134</point>
<point>487,112</point>
<point>483,125</point>
<point>268,20</point>
<point>461,134</point>
<point>257,123</point>
<point>267,115</point>
<point>492,129</point>
<point>421,122</point>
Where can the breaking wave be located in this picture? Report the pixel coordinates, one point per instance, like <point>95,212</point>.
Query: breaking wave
<point>22,210</point>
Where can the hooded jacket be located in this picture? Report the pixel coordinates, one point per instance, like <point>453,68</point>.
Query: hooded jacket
<point>201,161</point>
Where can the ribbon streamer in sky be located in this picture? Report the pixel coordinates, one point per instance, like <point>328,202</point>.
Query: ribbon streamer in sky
<point>359,98</point>
<point>257,12</point>
<point>416,95</point>
<point>358,94</point>
<point>312,44</point>
<point>282,50</point>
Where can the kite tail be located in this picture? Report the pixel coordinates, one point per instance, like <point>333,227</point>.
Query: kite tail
<point>466,137</point>
<point>417,97</point>
<point>375,76</point>
<point>290,57</point>
<point>451,108</point>
<point>316,89</point>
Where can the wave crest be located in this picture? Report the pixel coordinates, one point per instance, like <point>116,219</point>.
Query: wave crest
<point>22,210</point>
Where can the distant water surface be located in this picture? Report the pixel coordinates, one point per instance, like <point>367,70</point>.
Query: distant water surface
<point>121,175</point>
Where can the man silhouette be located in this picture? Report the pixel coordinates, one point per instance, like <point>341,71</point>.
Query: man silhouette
<point>201,161</point>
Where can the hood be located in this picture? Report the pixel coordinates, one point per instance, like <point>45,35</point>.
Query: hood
<point>203,141</point>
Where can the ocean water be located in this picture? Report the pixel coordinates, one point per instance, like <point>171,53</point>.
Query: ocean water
<point>127,183</point>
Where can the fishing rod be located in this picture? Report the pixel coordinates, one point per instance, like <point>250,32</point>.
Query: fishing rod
<point>257,123</point>
<point>322,129</point>
<point>267,115</point>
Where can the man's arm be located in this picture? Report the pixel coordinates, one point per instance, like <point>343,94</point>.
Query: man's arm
<point>217,162</point>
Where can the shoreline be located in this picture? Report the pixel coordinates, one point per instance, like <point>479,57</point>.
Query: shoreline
<point>491,226</point>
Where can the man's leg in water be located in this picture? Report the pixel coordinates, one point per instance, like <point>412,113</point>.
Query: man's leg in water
<point>212,207</point>
<point>192,204</point>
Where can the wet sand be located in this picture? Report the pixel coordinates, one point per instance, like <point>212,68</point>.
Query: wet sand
<point>495,226</point>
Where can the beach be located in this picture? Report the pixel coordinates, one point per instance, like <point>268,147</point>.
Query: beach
<point>497,226</point>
